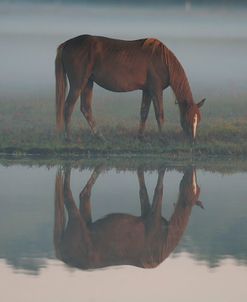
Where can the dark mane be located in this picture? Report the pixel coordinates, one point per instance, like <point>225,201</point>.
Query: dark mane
<point>178,78</point>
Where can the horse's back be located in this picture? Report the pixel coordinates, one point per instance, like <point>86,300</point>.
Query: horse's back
<point>101,39</point>
<point>114,64</point>
<point>86,40</point>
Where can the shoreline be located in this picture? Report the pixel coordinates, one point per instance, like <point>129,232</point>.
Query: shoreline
<point>179,150</point>
<point>129,161</point>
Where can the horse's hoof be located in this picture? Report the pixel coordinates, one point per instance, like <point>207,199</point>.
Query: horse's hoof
<point>67,139</point>
<point>100,137</point>
<point>161,139</point>
<point>99,168</point>
<point>59,135</point>
<point>141,137</point>
<point>162,169</point>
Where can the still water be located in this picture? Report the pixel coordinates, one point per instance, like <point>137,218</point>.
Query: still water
<point>106,233</point>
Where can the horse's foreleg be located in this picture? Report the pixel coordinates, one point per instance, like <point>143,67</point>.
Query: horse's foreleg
<point>146,101</point>
<point>69,107</point>
<point>144,199</point>
<point>159,108</point>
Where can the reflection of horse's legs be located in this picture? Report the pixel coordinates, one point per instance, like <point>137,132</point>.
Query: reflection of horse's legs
<point>76,228</point>
<point>59,211</point>
<point>73,95</point>
<point>158,108</point>
<point>85,196</point>
<point>86,105</point>
<point>157,199</point>
<point>68,197</point>
<point>144,199</point>
<point>146,101</point>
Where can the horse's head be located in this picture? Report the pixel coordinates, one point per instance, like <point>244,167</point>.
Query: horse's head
<point>189,188</point>
<point>190,118</point>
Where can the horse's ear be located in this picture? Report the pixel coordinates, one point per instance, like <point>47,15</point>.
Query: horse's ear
<point>201,103</point>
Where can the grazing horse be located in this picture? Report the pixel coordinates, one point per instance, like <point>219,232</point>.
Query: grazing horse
<point>120,239</point>
<point>120,66</point>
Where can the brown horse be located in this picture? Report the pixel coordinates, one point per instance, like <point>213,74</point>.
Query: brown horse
<point>119,239</point>
<point>121,66</point>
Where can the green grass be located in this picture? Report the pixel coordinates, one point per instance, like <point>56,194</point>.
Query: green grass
<point>27,127</point>
<point>226,139</point>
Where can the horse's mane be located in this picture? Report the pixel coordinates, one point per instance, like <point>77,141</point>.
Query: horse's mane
<point>178,79</point>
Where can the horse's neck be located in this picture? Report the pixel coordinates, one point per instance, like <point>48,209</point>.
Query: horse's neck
<point>177,225</point>
<point>178,80</point>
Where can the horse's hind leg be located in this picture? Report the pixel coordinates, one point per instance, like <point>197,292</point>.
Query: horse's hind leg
<point>68,197</point>
<point>146,101</point>
<point>60,219</point>
<point>72,97</point>
<point>86,105</point>
<point>85,196</point>
<point>76,229</point>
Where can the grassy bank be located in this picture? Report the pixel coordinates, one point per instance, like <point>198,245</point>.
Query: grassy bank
<point>27,127</point>
<point>216,139</point>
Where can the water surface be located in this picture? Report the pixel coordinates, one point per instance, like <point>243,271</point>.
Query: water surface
<point>199,244</point>
<point>118,248</point>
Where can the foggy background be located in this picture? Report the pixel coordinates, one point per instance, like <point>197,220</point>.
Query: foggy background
<point>209,40</point>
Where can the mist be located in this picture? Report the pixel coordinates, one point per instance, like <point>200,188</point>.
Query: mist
<point>210,42</point>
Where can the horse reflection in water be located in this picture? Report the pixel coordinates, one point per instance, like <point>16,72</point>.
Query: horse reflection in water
<point>120,239</point>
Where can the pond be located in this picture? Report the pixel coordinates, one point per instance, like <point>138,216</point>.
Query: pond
<point>121,230</point>
<point>100,232</point>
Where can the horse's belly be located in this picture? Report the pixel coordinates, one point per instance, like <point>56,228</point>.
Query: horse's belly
<point>120,80</point>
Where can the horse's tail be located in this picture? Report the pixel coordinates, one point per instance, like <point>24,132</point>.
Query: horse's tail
<point>59,219</point>
<point>61,85</point>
